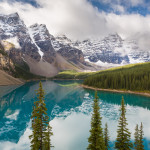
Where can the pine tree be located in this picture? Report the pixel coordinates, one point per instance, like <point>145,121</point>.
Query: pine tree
<point>141,146</point>
<point>96,139</point>
<point>136,136</point>
<point>106,137</point>
<point>40,122</point>
<point>47,139</point>
<point>123,134</point>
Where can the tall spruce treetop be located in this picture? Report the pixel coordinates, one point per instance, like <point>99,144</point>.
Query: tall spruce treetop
<point>136,137</point>
<point>123,135</point>
<point>40,122</point>
<point>96,139</point>
<point>141,146</point>
<point>47,140</point>
<point>106,137</point>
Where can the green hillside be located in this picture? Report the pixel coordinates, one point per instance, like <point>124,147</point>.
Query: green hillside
<point>23,72</point>
<point>71,74</point>
<point>135,77</point>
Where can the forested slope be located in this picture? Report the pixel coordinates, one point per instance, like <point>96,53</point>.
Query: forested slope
<point>131,77</point>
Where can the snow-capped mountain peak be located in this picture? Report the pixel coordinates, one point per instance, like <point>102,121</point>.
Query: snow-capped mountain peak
<point>111,49</point>
<point>41,30</point>
<point>10,25</point>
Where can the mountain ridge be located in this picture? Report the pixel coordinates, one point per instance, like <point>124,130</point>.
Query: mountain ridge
<point>111,49</point>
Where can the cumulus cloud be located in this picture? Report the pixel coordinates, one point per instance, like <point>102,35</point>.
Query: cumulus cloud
<point>79,19</point>
<point>126,3</point>
<point>118,8</point>
<point>133,26</point>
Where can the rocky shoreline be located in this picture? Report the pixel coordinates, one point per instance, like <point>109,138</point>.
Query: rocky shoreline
<point>117,91</point>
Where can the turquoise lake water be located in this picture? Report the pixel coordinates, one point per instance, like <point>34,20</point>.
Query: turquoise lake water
<point>69,107</point>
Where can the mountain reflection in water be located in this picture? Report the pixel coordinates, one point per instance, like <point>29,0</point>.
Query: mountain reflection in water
<point>69,107</point>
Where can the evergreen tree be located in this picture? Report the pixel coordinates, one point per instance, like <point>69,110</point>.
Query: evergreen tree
<point>47,139</point>
<point>141,146</point>
<point>96,139</point>
<point>40,122</point>
<point>136,136</point>
<point>123,134</point>
<point>106,137</point>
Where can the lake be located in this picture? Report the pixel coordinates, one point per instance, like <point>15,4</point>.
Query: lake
<point>69,108</point>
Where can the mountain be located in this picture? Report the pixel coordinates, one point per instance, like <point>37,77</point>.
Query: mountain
<point>33,47</point>
<point>110,50</point>
<point>69,52</point>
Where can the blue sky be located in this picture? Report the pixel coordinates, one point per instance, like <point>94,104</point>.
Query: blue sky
<point>129,6</point>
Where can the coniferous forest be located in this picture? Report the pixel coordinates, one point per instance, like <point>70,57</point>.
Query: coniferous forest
<point>135,78</point>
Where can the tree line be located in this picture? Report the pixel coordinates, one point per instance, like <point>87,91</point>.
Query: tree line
<point>99,139</point>
<point>134,78</point>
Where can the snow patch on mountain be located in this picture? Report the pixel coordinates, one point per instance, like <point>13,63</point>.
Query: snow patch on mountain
<point>40,30</point>
<point>32,33</point>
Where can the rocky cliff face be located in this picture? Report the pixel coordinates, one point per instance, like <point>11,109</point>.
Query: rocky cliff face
<point>104,50</point>
<point>42,39</point>
<point>72,54</point>
<point>6,63</point>
<point>111,49</point>
<point>49,46</point>
<point>62,45</point>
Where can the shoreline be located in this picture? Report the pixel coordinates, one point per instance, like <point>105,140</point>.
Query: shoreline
<point>116,91</point>
<point>65,79</point>
<point>14,83</point>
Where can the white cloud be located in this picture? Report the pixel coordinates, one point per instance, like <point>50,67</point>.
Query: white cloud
<point>133,26</point>
<point>118,8</point>
<point>128,25</point>
<point>22,144</point>
<point>78,19</point>
<point>126,3</point>
<point>136,2</point>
